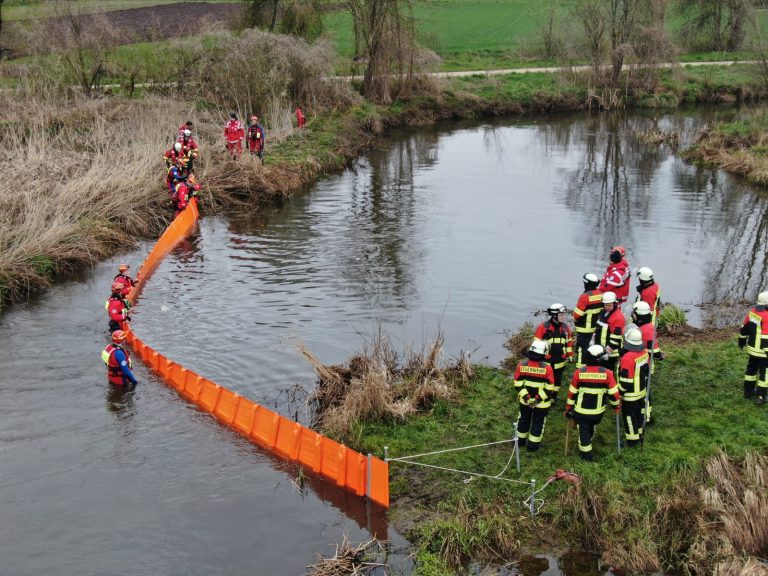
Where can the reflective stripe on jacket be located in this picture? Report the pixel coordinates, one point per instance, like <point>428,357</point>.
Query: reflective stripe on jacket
<point>588,390</point>
<point>587,308</point>
<point>633,374</point>
<point>535,378</point>
<point>560,341</point>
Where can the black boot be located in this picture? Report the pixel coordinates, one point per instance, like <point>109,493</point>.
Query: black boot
<point>749,389</point>
<point>759,400</point>
<point>587,456</point>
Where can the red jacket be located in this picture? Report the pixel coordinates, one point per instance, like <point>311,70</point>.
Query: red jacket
<point>650,293</point>
<point>616,279</point>
<point>300,120</point>
<point>234,131</point>
<point>127,281</point>
<point>589,388</point>
<point>117,309</point>
<point>188,147</point>
<point>114,371</point>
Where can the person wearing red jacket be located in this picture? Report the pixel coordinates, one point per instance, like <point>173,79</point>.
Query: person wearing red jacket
<point>617,277</point>
<point>754,335</point>
<point>175,154</point>
<point>118,361</point>
<point>585,315</point>
<point>234,134</point>
<point>558,335</point>
<point>117,307</point>
<point>610,330</point>
<point>649,291</point>
<point>256,138</point>
<point>587,394</point>
<point>300,119</point>
<point>534,381</point>
<point>186,126</point>
<point>634,369</point>
<point>189,147</point>
<point>127,281</point>
<point>641,316</point>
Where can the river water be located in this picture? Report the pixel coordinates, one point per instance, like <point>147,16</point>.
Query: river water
<point>471,228</point>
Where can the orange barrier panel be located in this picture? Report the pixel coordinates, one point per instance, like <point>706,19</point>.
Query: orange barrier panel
<point>226,408</point>
<point>288,436</point>
<point>379,488</point>
<point>245,417</point>
<point>310,449</point>
<point>347,468</point>
<point>264,429</point>
<point>209,396</point>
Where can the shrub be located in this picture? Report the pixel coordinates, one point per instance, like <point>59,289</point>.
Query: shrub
<point>672,318</point>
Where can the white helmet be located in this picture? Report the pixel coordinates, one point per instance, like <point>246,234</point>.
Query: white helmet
<point>539,347</point>
<point>595,351</point>
<point>555,309</point>
<point>645,274</point>
<point>641,308</point>
<point>177,146</point>
<point>633,339</point>
<point>762,299</point>
<point>187,132</point>
<point>609,298</point>
<point>590,278</point>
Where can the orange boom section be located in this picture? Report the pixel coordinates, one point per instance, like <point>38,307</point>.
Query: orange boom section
<point>363,475</point>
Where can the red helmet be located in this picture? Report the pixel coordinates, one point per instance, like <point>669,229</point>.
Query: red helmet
<point>119,336</point>
<point>620,250</point>
<point>118,285</point>
<point>123,267</point>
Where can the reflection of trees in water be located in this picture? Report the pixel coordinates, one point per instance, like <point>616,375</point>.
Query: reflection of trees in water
<point>611,185</point>
<point>384,210</point>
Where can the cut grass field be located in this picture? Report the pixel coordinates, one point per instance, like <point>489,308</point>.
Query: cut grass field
<point>699,411</point>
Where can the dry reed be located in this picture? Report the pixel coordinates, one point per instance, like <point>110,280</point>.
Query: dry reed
<point>373,385</point>
<point>348,559</point>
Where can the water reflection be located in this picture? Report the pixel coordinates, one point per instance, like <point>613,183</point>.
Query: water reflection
<point>120,400</point>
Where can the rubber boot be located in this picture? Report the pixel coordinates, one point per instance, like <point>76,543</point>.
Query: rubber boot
<point>759,400</point>
<point>532,446</point>
<point>749,389</point>
<point>586,456</point>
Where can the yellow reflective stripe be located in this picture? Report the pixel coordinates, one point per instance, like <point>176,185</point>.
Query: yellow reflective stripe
<point>601,376</point>
<point>105,357</point>
<point>533,370</point>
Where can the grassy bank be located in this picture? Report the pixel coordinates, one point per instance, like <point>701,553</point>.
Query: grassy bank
<point>67,151</point>
<point>739,147</point>
<point>657,508</point>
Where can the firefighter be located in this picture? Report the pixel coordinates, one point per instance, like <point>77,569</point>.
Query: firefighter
<point>534,381</point>
<point>117,307</point>
<point>558,335</point>
<point>617,276</point>
<point>585,315</point>
<point>610,330</point>
<point>649,291</point>
<point>186,126</point>
<point>256,138</point>
<point>234,134</point>
<point>643,319</point>
<point>587,398</point>
<point>188,147</point>
<point>177,173</point>
<point>754,335</point>
<point>175,153</point>
<point>634,369</point>
<point>123,277</point>
<point>118,361</point>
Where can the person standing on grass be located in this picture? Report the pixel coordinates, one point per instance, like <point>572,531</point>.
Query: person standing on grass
<point>300,119</point>
<point>617,276</point>
<point>256,138</point>
<point>643,319</point>
<point>234,134</point>
<point>585,315</point>
<point>590,387</point>
<point>610,330</point>
<point>634,369</point>
<point>535,383</point>
<point>754,335</point>
<point>118,361</point>
<point>649,291</point>
<point>559,337</point>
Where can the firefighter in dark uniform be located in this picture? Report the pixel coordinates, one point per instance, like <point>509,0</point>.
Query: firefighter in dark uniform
<point>585,315</point>
<point>590,387</point>
<point>558,335</point>
<point>754,335</point>
<point>610,330</point>
<point>633,384</point>
<point>534,381</point>
<point>643,319</point>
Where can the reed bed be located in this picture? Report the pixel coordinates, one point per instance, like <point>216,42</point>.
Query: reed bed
<point>348,559</point>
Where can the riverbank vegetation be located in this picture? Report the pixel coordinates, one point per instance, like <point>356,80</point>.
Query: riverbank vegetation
<point>693,498</point>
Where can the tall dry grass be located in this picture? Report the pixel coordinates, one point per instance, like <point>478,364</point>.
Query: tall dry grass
<point>81,179</point>
<point>375,385</point>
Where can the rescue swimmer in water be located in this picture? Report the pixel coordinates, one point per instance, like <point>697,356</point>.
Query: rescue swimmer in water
<point>118,361</point>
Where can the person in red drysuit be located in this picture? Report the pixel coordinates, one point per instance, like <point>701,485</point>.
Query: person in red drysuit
<point>256,138</point>
<point>117,307</point>
<point>617,276</point>
<point>118,361</point>
<point>300,120</point>
<point>125,279</point>
<point>234,134</point>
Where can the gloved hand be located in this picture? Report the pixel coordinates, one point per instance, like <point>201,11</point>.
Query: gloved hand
<point>661,356</point>
<point>742,343</point>
<point>568,413</point>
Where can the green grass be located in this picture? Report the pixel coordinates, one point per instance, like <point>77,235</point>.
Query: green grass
<point>697,405</point>
<point>31,9</point>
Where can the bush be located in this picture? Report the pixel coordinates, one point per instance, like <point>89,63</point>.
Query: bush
<point>672,318</point>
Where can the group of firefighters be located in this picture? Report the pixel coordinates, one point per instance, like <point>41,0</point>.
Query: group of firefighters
<point>115,356</point>
<point>614,359</point>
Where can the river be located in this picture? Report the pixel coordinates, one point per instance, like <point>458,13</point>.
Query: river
<point>471,228</point>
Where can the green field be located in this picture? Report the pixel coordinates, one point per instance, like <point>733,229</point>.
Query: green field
<point>30,9</point>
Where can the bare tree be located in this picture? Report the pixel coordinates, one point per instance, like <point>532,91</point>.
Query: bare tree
<point>387,36</point>
<point>714,24</point>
